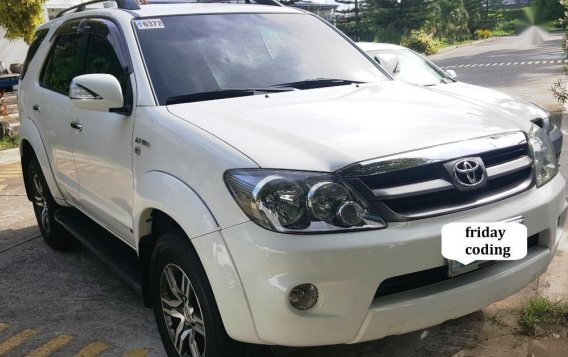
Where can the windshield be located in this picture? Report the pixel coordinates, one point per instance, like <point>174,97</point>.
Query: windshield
<point>413,68</point>
<point>189,54</point>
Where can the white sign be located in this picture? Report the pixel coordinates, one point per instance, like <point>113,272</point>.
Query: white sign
<point>468,242</point>
<point>147,24</point>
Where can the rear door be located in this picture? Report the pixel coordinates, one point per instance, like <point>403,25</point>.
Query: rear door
<point>51,109</point>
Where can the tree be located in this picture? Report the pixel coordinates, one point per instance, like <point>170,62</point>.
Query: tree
<point>474,10</point>
<point>350,18</point>
<point>548,10</point>
<point>20,18</point>
<point>453,21</point>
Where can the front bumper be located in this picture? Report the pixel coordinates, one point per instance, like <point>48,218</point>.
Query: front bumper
<point>347,268</point>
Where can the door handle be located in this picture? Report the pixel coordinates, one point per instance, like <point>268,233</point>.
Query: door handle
<point>35,107</point>
<point>76,125</point>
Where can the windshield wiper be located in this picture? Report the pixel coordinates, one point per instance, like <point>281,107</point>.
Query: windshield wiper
<point>222,94</point>
<point>317,83</point>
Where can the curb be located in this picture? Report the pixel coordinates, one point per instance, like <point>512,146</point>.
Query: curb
<point>449,48</point>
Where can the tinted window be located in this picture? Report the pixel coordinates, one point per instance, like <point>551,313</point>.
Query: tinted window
<point>37,41</point>
<point>63,64</point>
<point>101,58</point>
<point>189,54</point>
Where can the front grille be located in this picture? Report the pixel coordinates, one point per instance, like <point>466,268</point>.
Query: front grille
<point>436,201</point>
<point>427,277</point>
<point>420,184</point>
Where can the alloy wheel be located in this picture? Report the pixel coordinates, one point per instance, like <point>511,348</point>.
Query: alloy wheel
<point>40,201</point>
<point>182,312</point>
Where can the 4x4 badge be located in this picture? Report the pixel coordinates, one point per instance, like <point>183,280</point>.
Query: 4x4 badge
<point>143,142</point>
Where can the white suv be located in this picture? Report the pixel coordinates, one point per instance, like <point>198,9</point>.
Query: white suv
<point>260,179</point>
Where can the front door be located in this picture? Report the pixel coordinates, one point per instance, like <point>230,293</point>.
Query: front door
<point>102,142</point>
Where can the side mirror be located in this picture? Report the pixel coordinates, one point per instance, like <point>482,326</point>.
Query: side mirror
<point>98,92</point>
<point>388,61</point>
<point>451,73</point>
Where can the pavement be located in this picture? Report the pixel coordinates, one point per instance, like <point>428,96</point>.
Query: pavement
<point>70,304</point>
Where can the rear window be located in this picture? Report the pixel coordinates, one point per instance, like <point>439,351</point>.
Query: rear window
<point>37,41</point>
<point>62,64</point>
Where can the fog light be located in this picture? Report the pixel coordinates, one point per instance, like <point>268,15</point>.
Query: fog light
<point>304,296</point>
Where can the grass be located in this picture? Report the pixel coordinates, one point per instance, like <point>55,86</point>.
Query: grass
<point>9,142</point>
<point>541,316</point>
<point>499,33</point>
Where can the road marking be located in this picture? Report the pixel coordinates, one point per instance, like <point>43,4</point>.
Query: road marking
<point>15,341</point>
<point>141,352</point>
<point>93,349</point>
<point>2,326</point>
<point>472,65</point>
<point>53,345</point>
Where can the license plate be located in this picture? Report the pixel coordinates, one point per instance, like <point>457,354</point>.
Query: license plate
<point>456,268</point>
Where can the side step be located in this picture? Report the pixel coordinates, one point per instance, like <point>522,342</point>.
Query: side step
<point>112,251</point>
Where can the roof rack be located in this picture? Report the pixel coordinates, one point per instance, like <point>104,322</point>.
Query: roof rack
<point>134,4</point>
<point>121,4</point>
<point>260,2</point>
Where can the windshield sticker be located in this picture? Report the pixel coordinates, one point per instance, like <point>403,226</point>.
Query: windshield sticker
<point>149,24</point>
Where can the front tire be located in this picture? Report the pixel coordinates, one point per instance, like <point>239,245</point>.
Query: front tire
<point>184,306</point>
<point>44,208</point>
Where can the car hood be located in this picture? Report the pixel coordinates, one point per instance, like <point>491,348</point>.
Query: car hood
<point>329,128</point>
<point>517,108</point>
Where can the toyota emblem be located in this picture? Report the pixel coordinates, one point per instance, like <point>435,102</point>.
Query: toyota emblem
<point>469,173</point>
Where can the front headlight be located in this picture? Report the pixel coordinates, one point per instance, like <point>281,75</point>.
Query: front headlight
<point>300,202</point>
<point>545,165</point>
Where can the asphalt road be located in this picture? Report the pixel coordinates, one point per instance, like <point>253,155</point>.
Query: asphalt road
<point>69,304</point>
<point>526,65</point>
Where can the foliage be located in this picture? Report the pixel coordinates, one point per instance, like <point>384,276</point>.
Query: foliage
<point>514,26</point>
<point>540,316</point>
<point>8,142</point>
<point>20,18</point>
<point>453,19</point>
<point>515,14</point>
<point>389,34</point>
<point>421,42</point>
<point>482,34</point>
<point>474,10</point>
<point>548,10</point>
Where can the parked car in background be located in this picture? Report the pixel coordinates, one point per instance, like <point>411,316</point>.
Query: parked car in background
<point>406,65</point>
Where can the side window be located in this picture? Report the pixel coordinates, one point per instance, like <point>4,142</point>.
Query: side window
<point>37,41</point>
<point>101,58</point>
<point>62,64</point>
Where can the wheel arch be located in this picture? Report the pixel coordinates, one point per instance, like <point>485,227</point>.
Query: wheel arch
<point>163,203</point>
<point>31,145</point>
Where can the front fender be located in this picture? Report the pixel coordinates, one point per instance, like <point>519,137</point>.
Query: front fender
<point>164,192</point>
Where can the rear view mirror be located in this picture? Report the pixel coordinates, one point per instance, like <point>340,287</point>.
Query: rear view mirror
<point>388,61</point>
<point>98,92</point>
<point>451,73</point>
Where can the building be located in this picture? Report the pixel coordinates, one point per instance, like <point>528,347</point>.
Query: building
<point>324,10</point>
